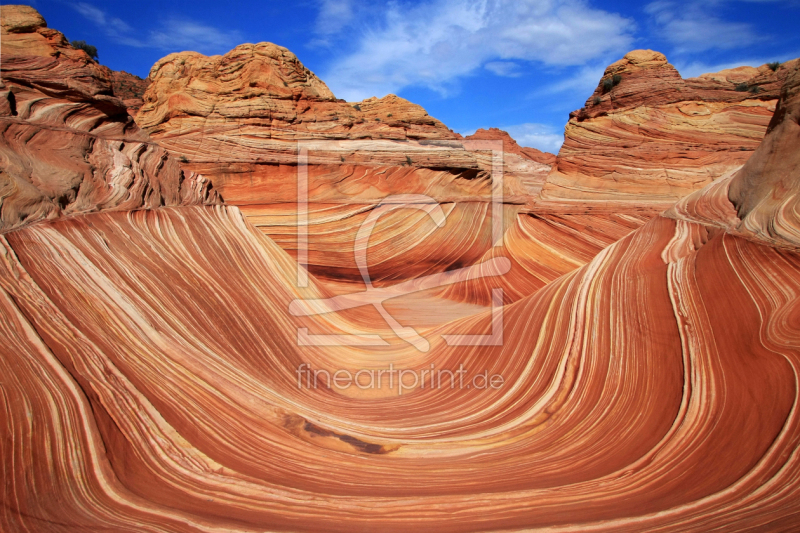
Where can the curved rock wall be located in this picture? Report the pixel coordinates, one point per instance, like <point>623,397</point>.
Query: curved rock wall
<point>150,358</point>
<point>67,145</point>
<point>647,135</point>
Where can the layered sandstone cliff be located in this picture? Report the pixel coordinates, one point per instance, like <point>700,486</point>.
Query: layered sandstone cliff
<point>648,135</point>
<point>245,112</point>
<point>150,363</point>
<point>67,144</point>
<point>243,119</point>
<point>656,382</point>
<point>510,146</point>
<point>129,88</point>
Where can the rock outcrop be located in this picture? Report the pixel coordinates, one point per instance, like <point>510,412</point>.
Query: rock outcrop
<point>130,88</point>
<point>760,202</point>
<point>510,146</point>
<point>647,135</point>
<point>67,144</point>
<point>240,120</point>
<point>165,370</point>
<point>658,379</point>
<point>265,88</point>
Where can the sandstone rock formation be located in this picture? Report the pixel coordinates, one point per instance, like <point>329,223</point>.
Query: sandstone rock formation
<point>646,134</point>
<point>766,191</point>
<point>130,88</point>
<point>67,145</point>
<point>510,146</point>
<point>237,120</point>
<point>528,165</point>
<point>151,359</point>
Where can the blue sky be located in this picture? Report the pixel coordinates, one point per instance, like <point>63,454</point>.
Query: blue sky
<point>521,65</point>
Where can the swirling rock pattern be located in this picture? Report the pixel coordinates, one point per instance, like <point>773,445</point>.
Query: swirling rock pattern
<point>149,357</point>
<point>67,145</point>
<point>634,400</point>
<point>237,120</point>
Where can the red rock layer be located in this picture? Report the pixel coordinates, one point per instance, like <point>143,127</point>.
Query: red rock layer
<point>661,391</point>
<point>237,120</point>
<point>510,146</point>
<point>66,144</point>
<point>651,136</point>
<point>130,88</point>
<point>148,369</point>
<point>265,87</point>
<point>253,104</point>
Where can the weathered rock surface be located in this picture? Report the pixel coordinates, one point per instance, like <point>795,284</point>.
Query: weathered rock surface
<point>149,358</point>
<point>241,119</point>
<point>251,106</point>
<point>171,403</point>
<point>67,145</point>
<point>265,87</point>
<point>647,135</point>
<point>527,165</point>
<point>761,201</point>
<point>510,146</point>
<point>130,88</point>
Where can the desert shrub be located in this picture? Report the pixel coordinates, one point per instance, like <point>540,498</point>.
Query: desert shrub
<point>408,160</point>
<point>610,83</point>
<point>88,48</point>
<point>183,159</point>
<point>755,89</point>
<point>389,115</point>
<point>774,65</point>
<point>596,100</point>
<point>742,87</point>
<point>357,107</point>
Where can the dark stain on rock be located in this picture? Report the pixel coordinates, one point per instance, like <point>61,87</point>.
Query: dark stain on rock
<point>358,444</point>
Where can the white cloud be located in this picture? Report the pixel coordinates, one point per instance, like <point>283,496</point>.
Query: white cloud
<point>333,16</point>
<point>583,82</point>
<point>436,43</point>
<point>540,136</point>
<point>171,34</point>
<point>183,34</point>
<point>112,24</point>
<point>692,28</point>
<point>507,69</point>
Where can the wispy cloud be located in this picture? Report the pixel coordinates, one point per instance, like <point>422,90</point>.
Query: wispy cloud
<point>333,17</point>
<point>694,28</point>
<point>99,17</point>
<point>437,43</point>
<point>583,81</point>
<point>540,136</point>
<point>507,69</point>
<point>177,33</point>
<point>171,34</point>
